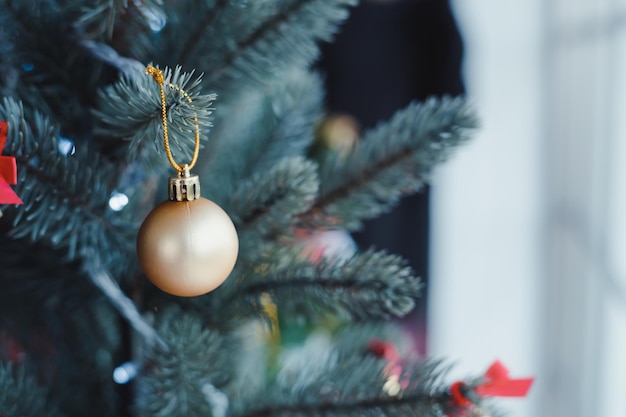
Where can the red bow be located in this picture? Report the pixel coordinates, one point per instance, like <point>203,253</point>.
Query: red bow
<point>495,383</point>
<point>498,384</point>
<point>8,171</point>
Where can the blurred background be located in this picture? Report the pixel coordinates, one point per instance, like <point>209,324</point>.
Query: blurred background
<point>528,237</point>
<point>522,235</point>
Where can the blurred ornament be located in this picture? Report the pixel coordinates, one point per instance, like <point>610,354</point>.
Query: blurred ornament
<point>339,132</point>
<point>393,386</point>
<point>327,244</point>
<point>8,171</point>
<point>11,349</point>
<point>188,245</point>
<point>336,135</point>
<point>302,363</point>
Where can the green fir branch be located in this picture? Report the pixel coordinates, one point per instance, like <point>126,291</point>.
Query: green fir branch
<point>184,379</point>
<point>372,285</point>
<point>286,40</point>
<point>417,405</point>
<point>268,203</point>
<point>356,386</point>
<point>20,395</point>
<point>98,18</point>
<point>206,22</point>
<point>228,300</point>
<point>393,160</point>
<point>296,102</point>
<point>26,282</point>
<point>127,25</point>
<point>218,36</point>
<point>130,110</point>
<point>65,196</point>
<point>56,76</point>
<point>260,127</point>
<point>76,67</point>
<point>9,54</point>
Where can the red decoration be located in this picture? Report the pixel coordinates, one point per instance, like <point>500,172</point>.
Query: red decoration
<point>498,384</point>
<point>459,392</point>
<point>383,349</point>
<point>388,351</point>
<point>8,171</point>
<point>11,349</point>
<point>494,383</point>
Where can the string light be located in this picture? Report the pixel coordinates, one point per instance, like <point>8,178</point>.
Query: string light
<point>118,201</point>
<point>125,373</point>
<point>66,146</point>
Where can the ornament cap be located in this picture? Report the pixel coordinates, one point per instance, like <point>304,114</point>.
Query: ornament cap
<point>184,186</point>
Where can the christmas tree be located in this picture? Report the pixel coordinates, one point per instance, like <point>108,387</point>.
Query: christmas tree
<point>287,333</point>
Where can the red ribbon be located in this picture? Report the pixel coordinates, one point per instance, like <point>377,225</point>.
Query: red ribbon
<point>8,171</point>
<point>498,384</point>
<point>495,383</point>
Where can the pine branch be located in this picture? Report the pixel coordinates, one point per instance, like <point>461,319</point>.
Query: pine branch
<point>124,305</point>
<point>126,25</point>
<point>357,387</point>
<point>269,202</point>
<point>392,161</point>
<point>52,344</point>
<point>130,110</point>
<point>282,116</point>
<point>211,35</point>
<point>372,285</point>
<point>50,333</point>
<point>206,21</point>
<point>286,40</point>
<point>296,102</point>
<point>417,405</point>
<point>55,75</point>
<point>184,380</point>
<point>65,197</point>
<point>27,283</point>
<point>9,54</point>
<point>98,19</point>
<point>21,396</point>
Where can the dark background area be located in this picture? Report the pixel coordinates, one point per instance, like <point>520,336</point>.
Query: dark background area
<point>387,54</point>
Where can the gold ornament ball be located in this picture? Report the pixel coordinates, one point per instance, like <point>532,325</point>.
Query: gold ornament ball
<point>187,248</point>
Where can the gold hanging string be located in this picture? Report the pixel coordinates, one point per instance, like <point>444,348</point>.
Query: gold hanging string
<point>157,74</point>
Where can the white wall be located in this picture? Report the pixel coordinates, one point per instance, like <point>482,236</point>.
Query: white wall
<point>529,233</point>
<point>486,202</point>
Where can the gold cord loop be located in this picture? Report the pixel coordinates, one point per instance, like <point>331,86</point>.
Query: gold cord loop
<point>157,74</point>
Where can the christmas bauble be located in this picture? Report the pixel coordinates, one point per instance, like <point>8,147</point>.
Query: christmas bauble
<point>187,248</point>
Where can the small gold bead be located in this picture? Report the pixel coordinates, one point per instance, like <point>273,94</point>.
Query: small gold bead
<point>156,73</point>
